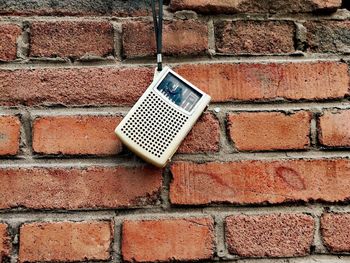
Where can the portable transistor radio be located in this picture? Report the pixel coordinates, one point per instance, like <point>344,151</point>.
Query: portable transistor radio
<point>160,120</point>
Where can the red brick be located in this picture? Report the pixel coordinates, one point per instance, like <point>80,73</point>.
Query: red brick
<point>259,131</point>
<point>270,81</point>
<point>335,229</point>
<point>182,37</point>
<point>73,188</point>
<point>8,41</point>
<point>260,182</point>
<point>334,128</point>
<point>253,6</point>
<point>224,82</point>
<point>254,37</point>
<point>329,4</point>
<point>168,240</point>
<point>209,6</point>
<point>328,36</point>
<point>74,8</point>
<point>271,235</point>
<point>74,86</point>
<point>10,133</point>
<point>65,241</point>
<point>87,135</point>
<point>204,136</point>
<point>71,39</point>
<point>5,243</point>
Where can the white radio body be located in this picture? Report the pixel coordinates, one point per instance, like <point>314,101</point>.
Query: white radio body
<point>157,124</point>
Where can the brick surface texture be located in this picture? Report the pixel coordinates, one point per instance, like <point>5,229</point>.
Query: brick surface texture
<point>251,6</point>
<point>258,182</point>
<point>251,37</point>
<point>89,135</point>
<point>5,242</point>
<point>9,34</point>
<point>65,241</point>
<point>334,128</point>
<point>270,81</point>
<point>10,132</point>
<point>335,231</point>
<point>97,187</point>
<point>86,8</point>
<point>251,131</point>
<point>328,37</point>
<point>262,176</point>
<point>71,39</point>
<point>74,86</point>
<point>180,38</point>
<point>204,137</point>
<point>167,239</point>
<point>273,235</point>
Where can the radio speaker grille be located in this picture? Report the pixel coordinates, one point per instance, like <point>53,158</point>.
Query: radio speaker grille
<point>154,125</point>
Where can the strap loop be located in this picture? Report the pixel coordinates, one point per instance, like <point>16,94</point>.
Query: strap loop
<point>158,29</point>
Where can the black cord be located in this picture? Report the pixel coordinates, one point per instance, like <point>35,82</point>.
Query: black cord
<point>158,29</point>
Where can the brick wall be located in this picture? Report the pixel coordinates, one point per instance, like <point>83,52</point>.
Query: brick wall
<point>263,177</point>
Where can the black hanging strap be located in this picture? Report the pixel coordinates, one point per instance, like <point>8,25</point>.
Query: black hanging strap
<point>158,28</point>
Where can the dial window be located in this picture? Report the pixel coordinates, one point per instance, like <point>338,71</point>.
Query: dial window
<point>179,93</point>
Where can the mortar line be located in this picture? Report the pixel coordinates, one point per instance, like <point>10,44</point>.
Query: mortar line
<point>226,107</point>
<point>26,133</point>
<point>117,241</point>
<point>315,209</point>
<point>211,38</point>
<point>221,249</point>
<point>313,131</point>
<point>318,243</point>
<point>130,161</point>
<point>43,63</point>
<point>117,41</point>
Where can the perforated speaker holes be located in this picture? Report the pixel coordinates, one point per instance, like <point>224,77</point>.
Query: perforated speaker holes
<point>154,125</point>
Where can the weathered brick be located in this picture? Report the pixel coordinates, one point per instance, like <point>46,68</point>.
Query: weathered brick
<point>10,133</point>
<point>260,182</point>
<point>328,36</point>
<point>181,239</point>
<point>65,241</point>
<point>259,131</point>
<point>5,243</point>
<point>71,39</point>
<point>75,7</point>
<point>335,229</point>
<point>73,188</point>
<point>334,128</point>
<point>271,235</point>
<point>326,5</point>
<point>88,135</point>
<point>254,37</point>
<point>255,6</point>
<point>224,82</point>
<point>8,41</point>
<point>270,81</point>
<point>182,37</point>
<point>204,136</point>
<point>76,135</point>
<point>74,86</point>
